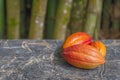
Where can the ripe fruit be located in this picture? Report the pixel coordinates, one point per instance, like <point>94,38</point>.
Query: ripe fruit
<point>83,56</point>
<point>77,38</point>
<point>81,52</point>
<point>100,46</point>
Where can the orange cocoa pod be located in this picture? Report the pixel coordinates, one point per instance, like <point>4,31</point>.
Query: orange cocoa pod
<point>83,56</point>
<point>100,46</point>
<point>77,38</point>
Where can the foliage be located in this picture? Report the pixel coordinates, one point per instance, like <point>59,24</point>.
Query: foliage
<point>57,19</point>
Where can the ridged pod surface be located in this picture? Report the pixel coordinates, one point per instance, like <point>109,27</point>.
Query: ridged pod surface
<point>83,56</point>
<point>100,46</point>
<point>81,52</point>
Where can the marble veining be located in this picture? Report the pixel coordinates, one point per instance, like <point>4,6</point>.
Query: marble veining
<point>41,60</point>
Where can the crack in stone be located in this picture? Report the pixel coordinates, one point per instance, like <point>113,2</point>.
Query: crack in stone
<point>114,43</point>
<point>113,61</point>
<point>5,45</point>
<point>25,46</point>
<point>101,72</point>
<point>15,66</point>
<point>52,57</point>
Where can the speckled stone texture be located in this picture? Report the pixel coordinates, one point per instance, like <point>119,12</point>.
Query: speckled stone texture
<point>42,60</point>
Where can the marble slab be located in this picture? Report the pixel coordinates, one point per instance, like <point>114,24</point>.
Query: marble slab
<point>42,60</point>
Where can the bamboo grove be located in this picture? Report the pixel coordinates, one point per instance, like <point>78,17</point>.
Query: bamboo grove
<point>56,19</point>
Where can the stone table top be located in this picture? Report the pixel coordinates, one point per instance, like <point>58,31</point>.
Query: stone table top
<point>41,60</point>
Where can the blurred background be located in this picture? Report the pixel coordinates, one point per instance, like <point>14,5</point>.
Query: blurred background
<point>57,19</point>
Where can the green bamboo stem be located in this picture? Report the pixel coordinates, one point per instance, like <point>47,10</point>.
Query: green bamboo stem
<point>117,14</point>
<point>90,23</point>
<point>13,19</point>
<point>51,10</point>
<point>99,4</point>
<point>2,18</point>
<point>22,19</point>
<point>106,17</point>
<point>114,30</point>
<point>91,17</point>
<point>37,19</point>
<point>62,19</point>
<point>78,15</point>
<point>115,24</point>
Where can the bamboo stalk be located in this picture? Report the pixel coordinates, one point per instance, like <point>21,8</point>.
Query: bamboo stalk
<point>115,24</point>
<point>37,19</point>
<point>62,19</point>
<point>106,18</point>
<point>115,15</point>
<point>2,18</point>
<point>13,19</point>
<point>114,30</point>
<point>99,4</point>
<point>51,10</point>
<point>23,19</point>
<point>91,17</point>
<point>90,23</point>
<point>78,15</point>
<point>28,16</point>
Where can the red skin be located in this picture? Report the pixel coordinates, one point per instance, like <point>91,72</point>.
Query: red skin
<point>77,38</point>
<point>83,56</point>
<point>81,52</point>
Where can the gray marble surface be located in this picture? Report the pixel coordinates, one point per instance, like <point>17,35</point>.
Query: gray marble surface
<point>41,60</point>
